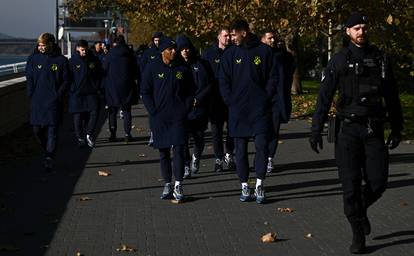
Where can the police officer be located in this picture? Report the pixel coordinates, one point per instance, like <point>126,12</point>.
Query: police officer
<point>367,97</point>
<point>48,78</point>
<point>218,111</point>
<point>120,84</point>
<point>197,118</point>
<point>247,83</point>
<point>167,93</point>
<point>282,104</point>
<point>86,71</point>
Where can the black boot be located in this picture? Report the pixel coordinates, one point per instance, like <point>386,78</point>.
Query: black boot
<point>358,239</point>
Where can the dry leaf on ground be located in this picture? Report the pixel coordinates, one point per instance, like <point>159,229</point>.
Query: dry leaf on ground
<point>85,198</point>
<point>104,173</point>
<point>404,204</point>
<point>140,129</point>
<point>280,142</point>
<point>269,238</point>
<point>309,236</point>
<point>125,248</point>
<point>285,210</point>
<point>142,155</point>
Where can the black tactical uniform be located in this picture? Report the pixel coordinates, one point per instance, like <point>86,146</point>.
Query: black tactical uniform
<point>368,97</point>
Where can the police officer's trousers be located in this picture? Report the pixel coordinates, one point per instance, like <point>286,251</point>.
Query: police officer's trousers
<point>242,161</point>
<point>177,163</point>
<point>361,156</point>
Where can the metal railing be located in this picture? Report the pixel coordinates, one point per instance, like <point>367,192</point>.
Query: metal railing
<point>12,68</point>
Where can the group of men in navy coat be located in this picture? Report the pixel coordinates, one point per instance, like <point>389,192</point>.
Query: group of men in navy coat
<point>238,83</point>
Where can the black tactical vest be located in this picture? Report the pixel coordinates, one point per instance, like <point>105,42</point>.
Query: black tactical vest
<point>361,85</point>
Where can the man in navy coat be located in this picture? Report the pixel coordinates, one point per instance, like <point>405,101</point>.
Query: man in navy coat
<point>167,93</point>
<point>248,76</point>
<point>47,74</point>
<point>120,85</point>
<point>197,119</point>
<point>86,71</point>
<point>282,104</point>
<point>218,111</point>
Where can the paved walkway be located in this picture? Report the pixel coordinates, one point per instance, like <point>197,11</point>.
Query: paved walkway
<point>43,214</point>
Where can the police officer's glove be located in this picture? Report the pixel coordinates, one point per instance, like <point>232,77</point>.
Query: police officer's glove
<point>394,140</point>
<point>315,141</point>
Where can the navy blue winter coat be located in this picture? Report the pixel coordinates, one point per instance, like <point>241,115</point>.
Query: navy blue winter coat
<point>248,81</point>
<point>86,75</point>
<point>151,54</point>
<point>282,106</point>
<point>217,107</point>
<point>120,75</point>
<point>48,79</point>
<point>202,85</point>
<point>167,93</point>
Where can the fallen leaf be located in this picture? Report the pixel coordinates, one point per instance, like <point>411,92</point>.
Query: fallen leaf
<point>285,210</point>
<point>142,155</point>
<point>266,223</point>
<point>133,126</point>
<point>280,142</point>
<point>140,129</point>
<point>269,238</point>
<point>104,173</point>
<point>85,198</point>
<point>404,204</point>
<point>125,248</point>
<point>309,236</point>
<point>79,254</point>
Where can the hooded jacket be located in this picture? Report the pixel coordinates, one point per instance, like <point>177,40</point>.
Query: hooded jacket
<point>120,73</point>
<point>48,79</point>
<point>248,78</point>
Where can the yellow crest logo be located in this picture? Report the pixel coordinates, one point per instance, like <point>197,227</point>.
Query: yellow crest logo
<point>238,61</point>
<point>179,75</point>
<point>54,67</point>
<point>161,76</point>
<point>217,61</point>
<point>257,60</point>
<point>91,65</point>
<point>39,66</point>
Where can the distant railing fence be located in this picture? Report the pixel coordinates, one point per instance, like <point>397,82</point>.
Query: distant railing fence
<point>12,68</point>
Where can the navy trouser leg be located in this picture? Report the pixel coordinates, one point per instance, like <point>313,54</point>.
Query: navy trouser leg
<point>126,110</point>
<point>274,141</point>
<point>229,142</point>
<point>39,133</point>
<point>51,141</point>
<point>187,156</point>
<point>198,136</point>
<point>77,123</point>
<point>178,162</point>
<point>261,144</point>
<point>112,112</point>
<point>165,164</point>
<point>217,135</point>
<point>242,161</point>
<point>92,120</point>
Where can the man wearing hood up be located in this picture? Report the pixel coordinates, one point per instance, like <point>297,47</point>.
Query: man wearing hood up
<point>120,83</point>
<point>248,79</point>
<point>47,74</point>
<point>198,118</point>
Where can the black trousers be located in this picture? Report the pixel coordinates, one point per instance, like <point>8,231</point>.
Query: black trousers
<point>177,163</point>
<point>242,160</point>
<point>198,137</point>
<point>361,156</point>
<point>46,136</point>
<point>275,138</point>
<point>112,113</point>
<point>85,122</point>
<point>217,127</point>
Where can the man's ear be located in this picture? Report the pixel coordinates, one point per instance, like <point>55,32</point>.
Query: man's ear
<point>347,31</point>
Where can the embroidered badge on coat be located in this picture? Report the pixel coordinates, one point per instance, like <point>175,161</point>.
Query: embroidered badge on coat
<point>54,67</point>
<point>179,75</point>
<point>161,76</point>
<point>238,61</point>
<point>257,60</point>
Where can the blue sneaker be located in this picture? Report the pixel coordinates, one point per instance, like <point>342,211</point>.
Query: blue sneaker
<point>259,193</point>
<point>167,193</point>
<point>245,194</point>
<point>178,192</point>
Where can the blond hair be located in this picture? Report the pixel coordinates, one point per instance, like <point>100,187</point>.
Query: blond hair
<point>46,38</point>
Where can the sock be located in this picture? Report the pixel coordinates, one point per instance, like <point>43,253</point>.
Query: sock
<point>258,182</point>
<point>269,159</point>
<point>244,184</point>
<point>228,155</point>
<point>177,183</point>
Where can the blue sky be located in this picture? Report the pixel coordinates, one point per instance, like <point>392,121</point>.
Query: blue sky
<point>27,18</point>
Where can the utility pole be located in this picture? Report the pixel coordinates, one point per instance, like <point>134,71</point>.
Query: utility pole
<point>56,19</point>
